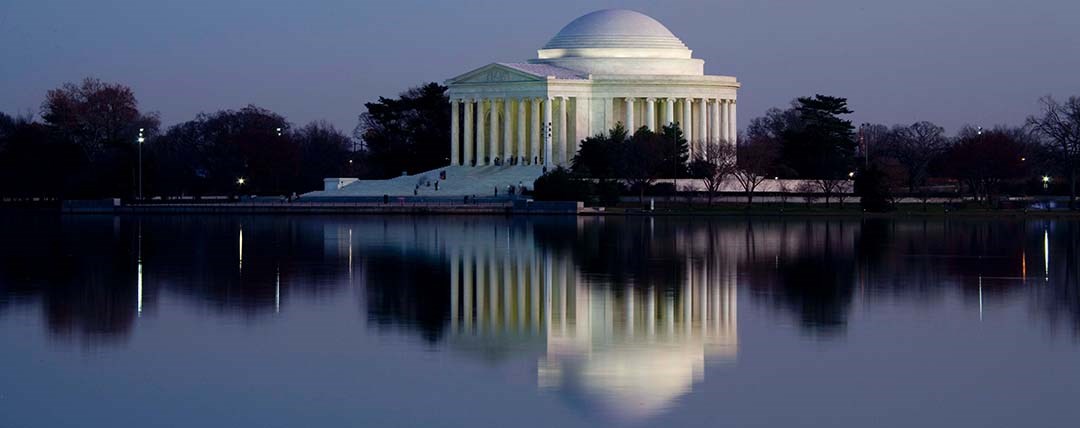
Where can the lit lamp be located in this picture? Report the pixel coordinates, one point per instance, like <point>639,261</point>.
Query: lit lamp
<point>1046,182</point>
<point>140,140</point>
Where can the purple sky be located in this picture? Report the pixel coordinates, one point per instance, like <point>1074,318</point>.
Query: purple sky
<point>953,62</point>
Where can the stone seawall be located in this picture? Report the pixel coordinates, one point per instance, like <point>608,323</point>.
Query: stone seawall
<point>520,207</point>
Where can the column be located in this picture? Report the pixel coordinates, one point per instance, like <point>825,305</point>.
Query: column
<point>547,130</point>
<point>469,159</point>
<point>701,130</point>
<point>455,158</point>
<point>650,113</point>
<point>725,108</point>
<point>534,142</point>
<point>495,147</point>
<point>629,101</point>
<point>669,111</point>
<point>574,128</point>
<point>481,141</point>
<point>684,125</point>
<point>522,139</point>
<point>508,131</point>
<point>563,143</point>
<point>714,124</point>
<point>734,132</point>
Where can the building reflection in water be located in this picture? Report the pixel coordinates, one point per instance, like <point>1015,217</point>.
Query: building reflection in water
<point>628,352</point>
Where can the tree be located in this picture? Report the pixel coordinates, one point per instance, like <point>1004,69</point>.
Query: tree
<point>755,162</point>
<point>560,184</point>
<point>210,153</point>
<point>985,159</point>
<point>1059,125</point>
<point>915,146</point>
<point>675,151</point>
<point>409,133</point>
<point>642,160</point>
<point>598,156</point>
<point>103,120</point>
<point>872,188</point>
<point>712,165</point>
<point>324,152</point>
<point>814,141</point>
<point>33,163</point>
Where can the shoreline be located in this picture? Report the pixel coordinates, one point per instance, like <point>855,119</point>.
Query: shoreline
<point>525,207</point>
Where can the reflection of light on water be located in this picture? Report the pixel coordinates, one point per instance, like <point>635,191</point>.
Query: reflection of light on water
<point>1023,265</point>
<point>139,279</point>
<point>1046,254</point>
<point>241,258</point>
<point>277,289</point>
<point>980,299</point>
<point>600,346</point>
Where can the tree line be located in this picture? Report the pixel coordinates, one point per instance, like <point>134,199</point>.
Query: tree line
<point>812,141</point>
<point>87,139</point>
<point>90,138</point>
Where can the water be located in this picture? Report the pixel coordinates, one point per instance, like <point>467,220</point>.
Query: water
<point>234,321</point>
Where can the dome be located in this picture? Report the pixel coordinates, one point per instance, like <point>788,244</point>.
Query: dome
<point>615,28</point>
<point>619,42</point>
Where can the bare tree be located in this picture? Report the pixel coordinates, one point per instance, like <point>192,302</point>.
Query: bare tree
<point>915,146</point>
<point>1060,126</point>
<point>713,164</point>
<point>755,160</point>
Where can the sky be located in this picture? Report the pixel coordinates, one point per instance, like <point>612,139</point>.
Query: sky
<point>952,62</point>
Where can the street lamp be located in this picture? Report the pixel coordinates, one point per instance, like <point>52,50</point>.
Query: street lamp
<point>279,132</point>
<point>140,140</point>
<point>1046,182</point>
<point>240,181</point>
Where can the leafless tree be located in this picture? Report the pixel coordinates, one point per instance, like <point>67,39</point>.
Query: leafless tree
<point>1060,126</point>
<point>915,146</point>
<point>713,164</point>
<point>755,160</point>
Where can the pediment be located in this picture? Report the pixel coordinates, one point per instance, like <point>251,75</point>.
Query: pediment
<point>495,73</point>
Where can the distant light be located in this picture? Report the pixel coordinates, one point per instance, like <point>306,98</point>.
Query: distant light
<point>1046,179</point>
<point>1023,159</point>
<point>240,180</point>
<point>141,139</point>
<point>140,129</point>
<point>851,174</point>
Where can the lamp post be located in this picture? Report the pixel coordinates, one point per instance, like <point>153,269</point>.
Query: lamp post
<point>140,141</point>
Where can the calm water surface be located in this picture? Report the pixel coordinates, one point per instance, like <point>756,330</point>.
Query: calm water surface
<point>555,322</point>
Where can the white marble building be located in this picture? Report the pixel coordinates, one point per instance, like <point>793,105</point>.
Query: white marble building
<point>606,67</point>
<point>511,121</point>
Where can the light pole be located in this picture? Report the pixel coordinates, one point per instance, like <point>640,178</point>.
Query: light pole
<point>140,140</point>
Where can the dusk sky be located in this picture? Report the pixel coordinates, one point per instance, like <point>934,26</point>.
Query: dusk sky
<point>982,62</point>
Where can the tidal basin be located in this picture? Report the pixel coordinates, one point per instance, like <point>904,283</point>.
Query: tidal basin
<point>547,321</point>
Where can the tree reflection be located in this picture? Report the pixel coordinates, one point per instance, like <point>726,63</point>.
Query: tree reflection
<point>83,271</point>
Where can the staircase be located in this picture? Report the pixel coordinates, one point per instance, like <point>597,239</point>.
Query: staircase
<point>460,181</point>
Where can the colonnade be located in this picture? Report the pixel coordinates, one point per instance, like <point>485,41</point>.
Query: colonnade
<point>703,120</point>
<point>502,131</point>
<point>544,130</point>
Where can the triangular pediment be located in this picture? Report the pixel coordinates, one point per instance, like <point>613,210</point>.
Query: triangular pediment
<point>495,73</point>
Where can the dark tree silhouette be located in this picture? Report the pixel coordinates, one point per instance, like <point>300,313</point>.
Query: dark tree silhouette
<point>408,133</point>
<point>1059,125</point>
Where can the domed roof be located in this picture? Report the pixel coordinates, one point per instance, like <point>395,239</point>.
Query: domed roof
<point>615,28</point>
